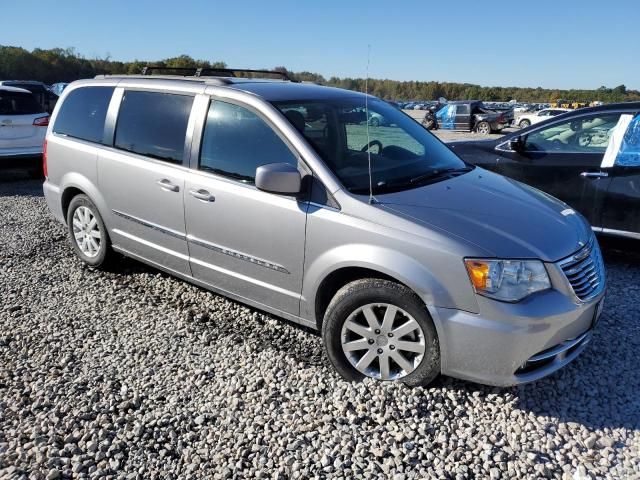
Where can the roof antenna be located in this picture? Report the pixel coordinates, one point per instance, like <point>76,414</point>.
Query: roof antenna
<point>372,199</point>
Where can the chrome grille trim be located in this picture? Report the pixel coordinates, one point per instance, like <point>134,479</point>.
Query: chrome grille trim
<point>584,270</point>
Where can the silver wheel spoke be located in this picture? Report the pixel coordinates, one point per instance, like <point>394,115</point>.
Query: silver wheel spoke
<point>401,361</point>
<point>366,360</point>
<point>370,315</point>
<point>406,328</point>
<point>395,339</point>
<point>361,344</point>
<point>359,329</point>
<point>86,231</point>
<point>94,245</point>
<point>389,317</point>
<point>384,367</point>
<point>415,347</point>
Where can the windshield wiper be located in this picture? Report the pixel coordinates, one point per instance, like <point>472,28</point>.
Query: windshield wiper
<point>388,187</point>
<point>439,173</point>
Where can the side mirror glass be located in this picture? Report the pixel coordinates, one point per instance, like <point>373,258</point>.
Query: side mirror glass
<point>516,144</point>
<point>280,178</point>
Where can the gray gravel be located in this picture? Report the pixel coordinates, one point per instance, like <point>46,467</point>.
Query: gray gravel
<point>133,374</point>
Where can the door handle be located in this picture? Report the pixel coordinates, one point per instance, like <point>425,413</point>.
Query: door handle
<point>202,194</point>
<point>594,174</point>
<point>167,185</point>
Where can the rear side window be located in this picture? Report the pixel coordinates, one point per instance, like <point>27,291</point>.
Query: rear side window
<point>83,112</point>
<point>153,124</point>
<point>18,103</point>
<point>236,142</point>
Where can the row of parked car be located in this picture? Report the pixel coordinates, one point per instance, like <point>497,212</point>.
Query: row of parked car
<point>25,106</point>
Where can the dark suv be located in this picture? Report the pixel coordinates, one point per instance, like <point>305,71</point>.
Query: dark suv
<point>472,115</point>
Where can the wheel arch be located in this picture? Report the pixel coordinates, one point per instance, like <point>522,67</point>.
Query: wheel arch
<point>345,264</point>
<point>75,184</point>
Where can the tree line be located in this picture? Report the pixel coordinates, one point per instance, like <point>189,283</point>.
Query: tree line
<point>65,65</point>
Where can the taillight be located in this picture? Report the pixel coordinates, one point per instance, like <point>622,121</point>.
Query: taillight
<point>44,158</point>
<point>41,121</point>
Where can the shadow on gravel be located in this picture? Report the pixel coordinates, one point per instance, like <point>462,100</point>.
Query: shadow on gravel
<point>19,183</point>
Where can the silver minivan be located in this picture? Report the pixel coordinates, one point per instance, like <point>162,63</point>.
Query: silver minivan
<point>283,196</point>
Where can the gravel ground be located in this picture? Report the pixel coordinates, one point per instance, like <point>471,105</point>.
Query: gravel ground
<point>133,374</point>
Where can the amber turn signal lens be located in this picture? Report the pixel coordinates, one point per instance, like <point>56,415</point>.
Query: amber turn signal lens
<point>478,273</point>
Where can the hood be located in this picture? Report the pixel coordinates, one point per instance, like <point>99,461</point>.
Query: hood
<point>502,216</point>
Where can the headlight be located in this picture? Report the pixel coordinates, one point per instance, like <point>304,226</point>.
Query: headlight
<point>507,280</point>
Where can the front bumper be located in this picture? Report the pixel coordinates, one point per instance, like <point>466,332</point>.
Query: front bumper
<point>512,343</point>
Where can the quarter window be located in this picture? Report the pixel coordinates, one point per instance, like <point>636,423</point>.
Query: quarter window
<point>462,109</point>
<point>579,135</point>
<point>236,142</point>
<point>83,113</point>
<point>153,124</point>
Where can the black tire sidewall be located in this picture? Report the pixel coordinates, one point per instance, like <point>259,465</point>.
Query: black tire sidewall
<point>361,292</point>
<point>100,259</point>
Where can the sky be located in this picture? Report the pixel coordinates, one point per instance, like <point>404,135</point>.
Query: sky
<point>546,43</point>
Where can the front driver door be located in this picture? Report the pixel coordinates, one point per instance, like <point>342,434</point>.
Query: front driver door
<point>563,159</point>
<point>242,240</point>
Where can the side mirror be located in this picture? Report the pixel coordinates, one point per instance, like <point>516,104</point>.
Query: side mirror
<point>279,178</point>
<point>516,144</point>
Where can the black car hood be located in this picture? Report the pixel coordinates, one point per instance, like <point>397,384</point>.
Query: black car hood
<point>502,216</point>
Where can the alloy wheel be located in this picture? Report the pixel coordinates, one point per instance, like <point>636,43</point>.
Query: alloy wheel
<point>383,341</point>
<point>86,232</point>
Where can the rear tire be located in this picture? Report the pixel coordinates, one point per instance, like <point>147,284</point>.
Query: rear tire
<point>483,128</point>
<point>403,345</point>
<point>87,232</point>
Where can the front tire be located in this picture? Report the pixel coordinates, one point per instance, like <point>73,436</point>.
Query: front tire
<point>524,123</point>
<point>377,328</point>
<point>88,234</point>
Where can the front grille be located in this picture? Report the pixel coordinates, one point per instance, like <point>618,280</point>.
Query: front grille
<point>585,271</point>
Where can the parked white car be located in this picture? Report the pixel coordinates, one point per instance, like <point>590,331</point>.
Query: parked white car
<point>532,118</point>
<point>23,125</point>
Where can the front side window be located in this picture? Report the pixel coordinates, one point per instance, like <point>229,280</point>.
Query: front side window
<point>236,142</point>
<point>153,124</point>
<point>579,135</point>
<point>83,113</point>
<point>403,154</point>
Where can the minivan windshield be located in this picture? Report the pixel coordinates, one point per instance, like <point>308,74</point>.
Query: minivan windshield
<point>403,154</point>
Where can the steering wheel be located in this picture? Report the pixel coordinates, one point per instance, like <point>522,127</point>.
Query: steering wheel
<point>372,143</point>
<point>584,140</point>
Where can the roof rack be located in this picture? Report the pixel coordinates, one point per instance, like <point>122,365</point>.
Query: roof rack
<point>214,71</point>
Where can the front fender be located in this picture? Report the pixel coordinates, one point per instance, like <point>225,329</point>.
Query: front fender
<point>403,268</point>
